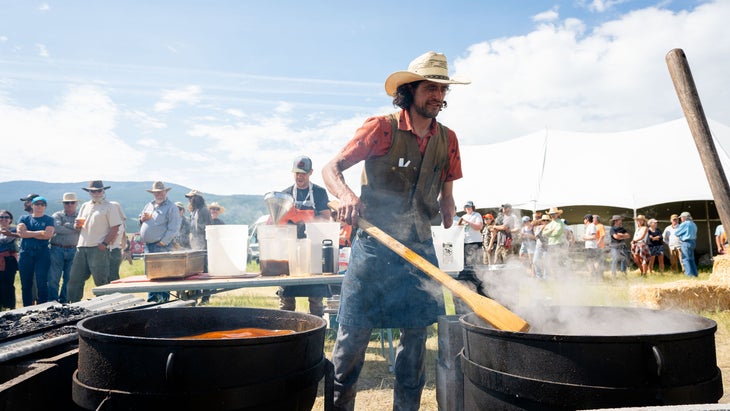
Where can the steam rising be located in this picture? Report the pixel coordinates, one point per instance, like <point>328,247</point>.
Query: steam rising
<point>565,305</point>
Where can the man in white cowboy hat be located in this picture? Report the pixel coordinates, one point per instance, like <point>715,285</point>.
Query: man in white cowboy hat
<point>411,162</point>
<point>160,223</point>
<point>99,222</point>
<point>63,248</point>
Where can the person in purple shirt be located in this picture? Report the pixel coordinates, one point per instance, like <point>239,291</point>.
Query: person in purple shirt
<point>687,233</point>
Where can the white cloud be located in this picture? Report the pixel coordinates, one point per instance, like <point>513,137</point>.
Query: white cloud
<point>3,39</point>
<point>44,7</point>
<point>42,50</point>
<point>600,6</point>
<point>610,79</point>
<point>144,121</point>
<point>547,16</point>
<point>172,98</point>
<point>71,141</point>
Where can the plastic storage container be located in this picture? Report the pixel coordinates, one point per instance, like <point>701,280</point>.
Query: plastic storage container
<point>300,256</point>
<point>274,244</point>
<point>227,248</point>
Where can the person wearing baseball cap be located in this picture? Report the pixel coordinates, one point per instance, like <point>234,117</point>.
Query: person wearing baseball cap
<point>34,259</point>
<point>26,202</point>
<point>307,196</point>
<point>674,243</point>
<point>410,164</point>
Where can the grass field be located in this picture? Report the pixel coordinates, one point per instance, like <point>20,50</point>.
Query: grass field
<point>376,382</point>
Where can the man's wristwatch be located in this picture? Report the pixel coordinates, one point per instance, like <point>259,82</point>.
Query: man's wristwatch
<point>105,244</point>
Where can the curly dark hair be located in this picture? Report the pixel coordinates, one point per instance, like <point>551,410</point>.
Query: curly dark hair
<point>403,97</point>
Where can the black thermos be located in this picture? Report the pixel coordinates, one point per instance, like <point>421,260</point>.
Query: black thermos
<point>328,256</point>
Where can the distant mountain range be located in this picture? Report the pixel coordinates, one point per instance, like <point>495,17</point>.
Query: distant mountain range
<point>239,208</point>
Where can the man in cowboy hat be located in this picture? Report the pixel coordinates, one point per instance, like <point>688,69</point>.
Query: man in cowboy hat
<point>63,248</point>
<point>160,223</point>
<point>411,162</point>
<point>553,233</point>
<point>99,222</point>
<point>619,253</point>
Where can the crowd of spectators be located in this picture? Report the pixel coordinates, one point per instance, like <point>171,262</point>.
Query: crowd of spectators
<point>56,254</point>
<point>545,242</point>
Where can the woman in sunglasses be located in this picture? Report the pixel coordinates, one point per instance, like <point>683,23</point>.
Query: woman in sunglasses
<point>8,260</point>
<point>34,259</point>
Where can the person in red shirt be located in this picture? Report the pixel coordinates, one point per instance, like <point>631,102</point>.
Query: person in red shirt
<point>411,162</point>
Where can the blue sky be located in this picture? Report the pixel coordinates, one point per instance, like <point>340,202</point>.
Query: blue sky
<point>223,95</point>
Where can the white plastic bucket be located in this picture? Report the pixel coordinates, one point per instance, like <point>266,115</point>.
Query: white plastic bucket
<point>449,245</point>
<point>227,248</point>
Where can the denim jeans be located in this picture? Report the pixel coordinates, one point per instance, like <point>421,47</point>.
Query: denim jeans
<point>688,258</point>
<point>618,259</point>
<point>158,296</point>
<point>34,263</point>
<point>61,260</point>
<point>348,356</point>
<point>538,262</point>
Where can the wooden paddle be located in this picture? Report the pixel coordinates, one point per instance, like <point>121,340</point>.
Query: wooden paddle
<point>487,309</point>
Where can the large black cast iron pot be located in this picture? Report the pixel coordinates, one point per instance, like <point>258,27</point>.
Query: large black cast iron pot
<point>131,360</point>
<point>591,357</point>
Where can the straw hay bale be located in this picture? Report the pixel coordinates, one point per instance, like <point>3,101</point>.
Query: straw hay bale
<point>721,269</point>
<point>690,295</point>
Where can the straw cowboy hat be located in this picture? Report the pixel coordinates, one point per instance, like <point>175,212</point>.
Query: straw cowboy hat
<point>430,66</point>
<point>96,185</point>
<point>158,186</point>
<point>554,210</point>
<point>68,197</point>
<point>215,204</point>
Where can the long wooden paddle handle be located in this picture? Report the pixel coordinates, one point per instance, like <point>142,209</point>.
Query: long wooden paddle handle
<point>689,99</point>
<point>487,309</point>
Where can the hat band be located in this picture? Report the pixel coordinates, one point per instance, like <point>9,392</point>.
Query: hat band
<point>436,76</point>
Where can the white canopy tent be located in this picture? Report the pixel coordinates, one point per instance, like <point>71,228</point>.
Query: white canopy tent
<point>630,169</point>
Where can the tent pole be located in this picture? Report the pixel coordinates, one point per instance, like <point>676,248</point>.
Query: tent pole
<point>710,234</point>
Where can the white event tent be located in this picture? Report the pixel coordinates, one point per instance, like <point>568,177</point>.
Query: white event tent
<point>629,169</point>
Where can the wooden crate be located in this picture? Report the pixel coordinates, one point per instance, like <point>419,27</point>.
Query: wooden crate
<point>174,264</point>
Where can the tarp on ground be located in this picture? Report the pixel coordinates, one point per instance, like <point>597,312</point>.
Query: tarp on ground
<point>630,169</point>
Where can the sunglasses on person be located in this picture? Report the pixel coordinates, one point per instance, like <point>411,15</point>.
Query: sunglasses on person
<point>96,190</point>
<point>69,202</point>
<point>215,209</point>
<point>5,217</point>
<point>39,204</point>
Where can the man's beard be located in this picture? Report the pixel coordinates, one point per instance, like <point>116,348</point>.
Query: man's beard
<point>426,110</point>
